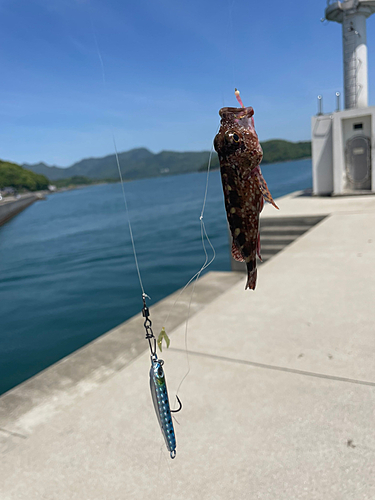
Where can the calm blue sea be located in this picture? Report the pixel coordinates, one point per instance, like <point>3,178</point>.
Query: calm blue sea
<point>67,272</point>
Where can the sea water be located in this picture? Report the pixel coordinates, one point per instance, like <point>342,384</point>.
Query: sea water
<point>67,271</point>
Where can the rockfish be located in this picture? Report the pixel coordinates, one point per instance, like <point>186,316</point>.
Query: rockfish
<point>244,187</point>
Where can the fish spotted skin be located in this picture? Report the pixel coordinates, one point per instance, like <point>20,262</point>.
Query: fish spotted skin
<point>244,188</point>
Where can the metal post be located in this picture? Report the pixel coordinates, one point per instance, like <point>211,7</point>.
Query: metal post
<point>320,105</point>
<point>337,101</point>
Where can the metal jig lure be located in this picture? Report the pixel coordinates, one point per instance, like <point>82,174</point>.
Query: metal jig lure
<point>158,387</point>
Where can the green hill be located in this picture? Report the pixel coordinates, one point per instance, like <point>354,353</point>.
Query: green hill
<point>140,163</point>
<point>277,150</point>
<point>12,175</point>
<point>135,164</point>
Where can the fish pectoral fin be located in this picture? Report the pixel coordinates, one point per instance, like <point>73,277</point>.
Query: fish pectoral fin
<point>236,254</point>
<point>261,204</point>
<point>264,189</point>
<point>258,248</point>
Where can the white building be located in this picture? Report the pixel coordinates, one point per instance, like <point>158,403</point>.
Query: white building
<point>342,141</point>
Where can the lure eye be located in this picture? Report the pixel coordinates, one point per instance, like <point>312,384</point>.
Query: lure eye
<point>160,372</point>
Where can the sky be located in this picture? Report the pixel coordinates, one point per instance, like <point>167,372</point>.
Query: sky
<point>156,73</point>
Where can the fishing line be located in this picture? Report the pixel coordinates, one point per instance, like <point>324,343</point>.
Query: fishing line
<point>230,42</point>
<point>117,157</point>
<point>208,173</point>
<point>157,381</point>
<point>128,217</point>
<point>204,238</point>
<point>195,278</point>
<point>205,265</point>
<point>144,295</point>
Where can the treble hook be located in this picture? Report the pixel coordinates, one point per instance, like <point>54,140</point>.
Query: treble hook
<point>180,408</point>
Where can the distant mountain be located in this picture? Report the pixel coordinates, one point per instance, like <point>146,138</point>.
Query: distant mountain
<point>140,163</point>
<point>277,150</point>
<point>52,173</point>
<point>135,164</point>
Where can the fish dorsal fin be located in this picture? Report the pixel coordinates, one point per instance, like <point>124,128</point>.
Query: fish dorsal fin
<point>236,254</point>
<point>264,188</point>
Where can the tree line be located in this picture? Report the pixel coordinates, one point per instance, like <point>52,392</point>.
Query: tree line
<point>12,175</point>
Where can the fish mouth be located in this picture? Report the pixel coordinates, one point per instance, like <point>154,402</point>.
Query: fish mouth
<point>242,117</point>
<point>236,112</point>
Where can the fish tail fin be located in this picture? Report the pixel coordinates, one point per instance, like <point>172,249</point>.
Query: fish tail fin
<point>251,276</point>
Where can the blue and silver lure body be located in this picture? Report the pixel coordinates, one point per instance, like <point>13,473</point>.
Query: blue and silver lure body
<point>160,399</point>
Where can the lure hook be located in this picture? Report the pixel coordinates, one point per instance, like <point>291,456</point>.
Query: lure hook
<point>180,407</point>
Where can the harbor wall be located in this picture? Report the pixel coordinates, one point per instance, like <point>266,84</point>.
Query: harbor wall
<point>9,209</point>
<point>83,370</point>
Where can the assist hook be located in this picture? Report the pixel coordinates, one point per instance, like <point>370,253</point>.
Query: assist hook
<point>180,407</point>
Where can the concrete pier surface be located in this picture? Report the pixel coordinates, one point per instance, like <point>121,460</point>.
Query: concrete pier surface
<point>278,403</point>
<point>11,206</point>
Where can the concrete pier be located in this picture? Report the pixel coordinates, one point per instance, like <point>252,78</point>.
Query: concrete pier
<point>9,207</point>
<point>279,398</point>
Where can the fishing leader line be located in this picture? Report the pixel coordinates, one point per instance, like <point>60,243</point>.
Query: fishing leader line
<point>157,379</point>
<point>203,227</point>
<point>197,275</point>
<point>203,235</point>
<point>158,385</point>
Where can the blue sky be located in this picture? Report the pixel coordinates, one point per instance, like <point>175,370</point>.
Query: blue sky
<point>169,67</point>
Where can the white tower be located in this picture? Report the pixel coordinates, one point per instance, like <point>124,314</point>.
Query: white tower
<point>342,142</point>
<point>352,14</point>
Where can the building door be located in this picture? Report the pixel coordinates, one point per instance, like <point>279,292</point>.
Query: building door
<point>358,163</point>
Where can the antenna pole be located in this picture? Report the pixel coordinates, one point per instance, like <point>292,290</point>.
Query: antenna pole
<point>320,105</point>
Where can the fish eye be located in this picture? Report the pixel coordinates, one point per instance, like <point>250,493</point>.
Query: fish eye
<point>233,137</point>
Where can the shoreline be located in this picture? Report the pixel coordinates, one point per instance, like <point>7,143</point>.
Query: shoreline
<point>11,206</point>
